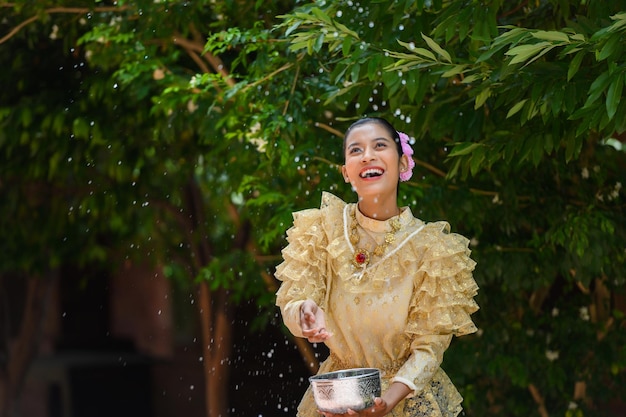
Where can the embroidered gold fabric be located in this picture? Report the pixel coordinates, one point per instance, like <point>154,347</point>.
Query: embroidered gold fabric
<point>398,316</point>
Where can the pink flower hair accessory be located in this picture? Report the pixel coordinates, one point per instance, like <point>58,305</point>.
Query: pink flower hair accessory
<point>408,151</point>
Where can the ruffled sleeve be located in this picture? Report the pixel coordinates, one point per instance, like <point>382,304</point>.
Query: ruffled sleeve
<point>442,303</point>
<point>304,269</point>
<point>444,286</point>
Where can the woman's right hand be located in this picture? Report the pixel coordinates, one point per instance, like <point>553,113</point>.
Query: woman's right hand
<point>313,322</point>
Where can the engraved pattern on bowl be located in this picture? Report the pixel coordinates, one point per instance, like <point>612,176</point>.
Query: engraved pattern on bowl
<point>336,392</point>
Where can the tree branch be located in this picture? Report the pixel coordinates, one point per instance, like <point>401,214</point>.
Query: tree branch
<point>539,400</point>
<point>293,88</point>
<point>68,10</point>
<point>269,76</point>
<point>512,11</point>
<point>329,129</point>
<point>17,29</point>
<point>214,61</point>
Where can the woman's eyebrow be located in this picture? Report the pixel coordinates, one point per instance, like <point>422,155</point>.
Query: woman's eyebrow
<point>386,139</point>
<point>357,143</point>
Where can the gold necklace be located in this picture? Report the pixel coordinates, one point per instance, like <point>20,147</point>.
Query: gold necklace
<point>362,256</point>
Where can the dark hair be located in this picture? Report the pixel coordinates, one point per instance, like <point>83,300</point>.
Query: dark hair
<point>379,121</point>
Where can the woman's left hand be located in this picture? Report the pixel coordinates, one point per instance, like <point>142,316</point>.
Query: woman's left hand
<point>379,409</point>
<point>382,405</point>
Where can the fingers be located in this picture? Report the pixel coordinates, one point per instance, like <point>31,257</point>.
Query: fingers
<point>379,405</point>
<point>312,322</point>
<point>316,335</point>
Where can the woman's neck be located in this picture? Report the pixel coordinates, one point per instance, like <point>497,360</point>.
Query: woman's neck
<point>379,209</point>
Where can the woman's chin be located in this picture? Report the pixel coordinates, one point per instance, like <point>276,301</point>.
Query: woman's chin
<point>373,188</point>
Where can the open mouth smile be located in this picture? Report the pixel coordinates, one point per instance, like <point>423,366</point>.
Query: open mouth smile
<point>371,172</point>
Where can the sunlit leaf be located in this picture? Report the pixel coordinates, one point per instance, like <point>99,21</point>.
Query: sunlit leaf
<point>524,52</point>
<point>346,30</point>
<point>551,36</point>
<point>517,107</point>
<point>292,28</point>
<point>321,15</point>
<point>482,97</point>
<point>455,70</point>
<point>438,49</point>
<point>420,51</point>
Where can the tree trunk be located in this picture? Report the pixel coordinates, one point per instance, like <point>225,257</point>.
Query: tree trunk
<point>18,354</point>
<point>216,313</point>
<point>216,347</point>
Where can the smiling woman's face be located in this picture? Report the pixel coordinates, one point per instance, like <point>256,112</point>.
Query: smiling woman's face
<point>372,164</point>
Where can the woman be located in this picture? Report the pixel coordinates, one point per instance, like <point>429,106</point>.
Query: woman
<point>379,287</point>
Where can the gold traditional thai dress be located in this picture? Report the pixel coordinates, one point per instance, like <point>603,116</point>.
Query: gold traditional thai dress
<point>397,313</point>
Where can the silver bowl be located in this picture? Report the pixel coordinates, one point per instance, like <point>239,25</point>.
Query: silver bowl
<point>336,392</point>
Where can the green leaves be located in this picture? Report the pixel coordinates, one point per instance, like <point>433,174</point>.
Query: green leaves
<point>523,53</point>
<point>421,57</point>
<point>438,49</point>
<point>80,128</point>
<point>517,107</point>
<point>482,97</point>
<point>609,48</point>
<point>551,36</point>
<point>329,31</point>
<point>574,65</point>
<point>614,93</point>
<point>532,51</point>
